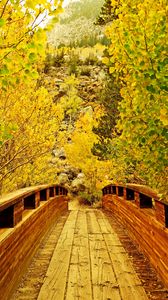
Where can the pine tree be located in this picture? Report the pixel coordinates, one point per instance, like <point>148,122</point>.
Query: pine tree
<point>107,14</point>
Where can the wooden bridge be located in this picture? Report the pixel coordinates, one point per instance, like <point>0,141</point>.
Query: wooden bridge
<point>48,251</point>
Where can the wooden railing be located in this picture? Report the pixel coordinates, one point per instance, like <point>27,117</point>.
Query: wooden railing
<point>25,216</point>
<point>13,205</point>
<point>146,217</point>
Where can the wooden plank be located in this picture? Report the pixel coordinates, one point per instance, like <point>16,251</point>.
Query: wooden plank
<point>112,240</point>
<point>79,285</point>
<point>103,222</point>
<point>79,281</point>
<point>32,280</point>
<point>92,223</point>
<point>103,278</point>
<point>104,281</point>
<point>104,292</point>
<point>102,271</point>
<point>128,281</point>
<point>146,231</point>
<point>56,277</point>
<point>18,244</point>
<point>133,292</point>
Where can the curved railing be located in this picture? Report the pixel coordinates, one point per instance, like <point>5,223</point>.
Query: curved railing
<point>146,217</point>
<point>25,216</point>
<point>13,205</point>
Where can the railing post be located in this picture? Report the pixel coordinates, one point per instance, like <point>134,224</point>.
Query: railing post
<point>117,190</point>
<point>17,213</point>
<point>162,212</point>
<point>137,198</point>
<point>37,199</point>
<point>120,192</point>
<point>52,191</point>
<point>47,194</point>
<point>125,194</point>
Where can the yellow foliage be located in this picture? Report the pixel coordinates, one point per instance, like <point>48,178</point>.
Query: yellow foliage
<point>137,58</point>
<point>29,120</point>
<point>79,153</point>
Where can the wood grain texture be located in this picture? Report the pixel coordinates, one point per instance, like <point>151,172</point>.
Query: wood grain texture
<point>56,277</point>
<point>79,277</point>
<point>160,212</point>
<point>18,244</point>
<point>144,228</point>
<point>84,265</point>
<point>130,286</point>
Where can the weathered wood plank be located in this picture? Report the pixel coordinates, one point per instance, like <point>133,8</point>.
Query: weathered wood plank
<point>79,281</point>
<point>56,277</point>
<point>105,285</point>
<point>92,223</point>
<point>102,271</point>
<point>18,244</point>
<point>104,281</point>
<point>103,222</point>
<point>127,279</point>
<point>145,230</point>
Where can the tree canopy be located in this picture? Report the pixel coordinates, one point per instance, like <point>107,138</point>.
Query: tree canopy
<point>28,116</point>
<point>125,138</point>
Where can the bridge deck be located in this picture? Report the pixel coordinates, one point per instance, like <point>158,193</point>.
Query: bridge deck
<point>89,262</point>
<point>83,258</point>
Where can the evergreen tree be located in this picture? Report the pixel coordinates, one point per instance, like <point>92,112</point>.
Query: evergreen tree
<point>107,13</point>
<point>110,97</point>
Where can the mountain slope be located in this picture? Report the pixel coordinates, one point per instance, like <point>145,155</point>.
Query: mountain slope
<point>77,23</point>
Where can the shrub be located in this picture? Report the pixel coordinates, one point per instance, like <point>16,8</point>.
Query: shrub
<point>91,59</point>
<point>87,198</point>
<point>85,71</point>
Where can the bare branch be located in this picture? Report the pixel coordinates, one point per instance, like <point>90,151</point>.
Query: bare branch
<point>7,174</point>
<point>4,8</point>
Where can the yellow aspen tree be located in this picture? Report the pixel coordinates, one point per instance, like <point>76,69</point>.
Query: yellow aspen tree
<point>29,119</point>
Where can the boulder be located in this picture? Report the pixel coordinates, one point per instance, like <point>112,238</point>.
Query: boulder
<point>77,185</point>
<point>63,179</point>
<point>59,153</point>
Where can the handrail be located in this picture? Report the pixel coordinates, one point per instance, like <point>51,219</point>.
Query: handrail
<point>26,216</point>
<point>143,196</point>
<point>146,218</point>
<point>137,188</point>
<point>12,205</point>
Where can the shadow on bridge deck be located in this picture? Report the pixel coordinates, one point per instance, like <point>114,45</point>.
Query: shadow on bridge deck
<point>83,257</point>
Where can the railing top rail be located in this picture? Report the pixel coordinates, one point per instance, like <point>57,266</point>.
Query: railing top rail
<point>9,199</point>
<point>143,189</point>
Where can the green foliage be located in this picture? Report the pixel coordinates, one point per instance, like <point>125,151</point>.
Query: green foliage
<point>105,15</point>
<point>87,198</point>
<point>6,132</point>
<point>138,58</point>
<point>110,98</point>
<point>54,60</point>
<point>70,102</point>
<point>108,13</point>
<point>90,40</point>
<point>91,59</point>
<point>85,71</point>
<point>73,63</point>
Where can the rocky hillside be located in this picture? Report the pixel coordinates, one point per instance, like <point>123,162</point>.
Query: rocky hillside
<point>90,77</point>
<point>76,25</point>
